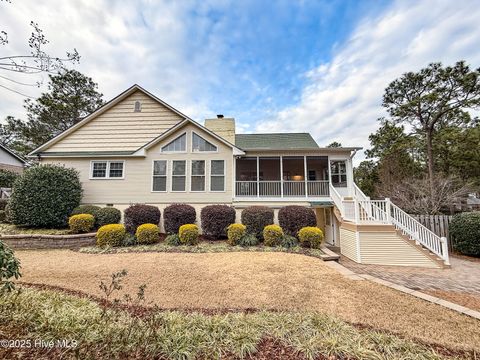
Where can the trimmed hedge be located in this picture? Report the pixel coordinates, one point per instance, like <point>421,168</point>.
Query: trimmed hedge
<point>176,215</point>
<point>107,215</point>
<point>293,217</point>
<point>289,241</point>
<point>272,235</point>
<point>7,178</point>
<point>235,232</point>
<point>255,218</point>
<point>44,196</point>
<point>111,235</point>
<point>216,219</point>
<point>173,240</point>
<point>138,214</point>
<point>464,230</point>
<point>148,234</point>
<point>3,204</point>
<point>86,209</point>
<point>311,237</point>
<point>81,223</point>
<point>188,234</point>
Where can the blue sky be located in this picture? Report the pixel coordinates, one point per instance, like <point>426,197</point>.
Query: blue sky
<point>316,66</point>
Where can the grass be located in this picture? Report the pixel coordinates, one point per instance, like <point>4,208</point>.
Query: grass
<point>10,229</point>
<point>259,280</point>
<point>114,333</point>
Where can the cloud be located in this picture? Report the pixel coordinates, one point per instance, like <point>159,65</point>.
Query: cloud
<point>342,98</point>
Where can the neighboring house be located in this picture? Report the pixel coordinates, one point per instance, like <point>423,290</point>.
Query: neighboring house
<point>11,161</point>
<point>138,149</point>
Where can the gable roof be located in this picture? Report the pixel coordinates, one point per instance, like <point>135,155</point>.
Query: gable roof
<point>100,111</point>
<point>11,152</point>
<point>276,141</point>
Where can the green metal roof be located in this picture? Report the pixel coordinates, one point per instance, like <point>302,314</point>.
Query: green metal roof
<point>280,141</point>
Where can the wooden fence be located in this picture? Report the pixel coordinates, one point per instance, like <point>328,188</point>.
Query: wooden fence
<point>439,224</point>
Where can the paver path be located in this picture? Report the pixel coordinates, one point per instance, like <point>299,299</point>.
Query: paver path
<point>464,276</point>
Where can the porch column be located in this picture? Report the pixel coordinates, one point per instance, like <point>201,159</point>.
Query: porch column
<point>281,176</point>
<point>258,177</point>
<point>305,174</point>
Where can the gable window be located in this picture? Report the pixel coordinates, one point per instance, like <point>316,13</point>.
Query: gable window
<point>138,106</point>
<point>107,169</point>
<point>198,175</point>
<point>199,144</point>
<point>179,170</point>
<point>159,175</point>
<point>177,145</point>
<point>217,175</point>
<point>338,171</point>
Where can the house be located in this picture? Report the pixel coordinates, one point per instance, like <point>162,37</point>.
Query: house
<point>11,161</point>
<point>138,149</point>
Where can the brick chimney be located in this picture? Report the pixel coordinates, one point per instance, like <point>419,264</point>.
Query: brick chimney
<point>222,126</point>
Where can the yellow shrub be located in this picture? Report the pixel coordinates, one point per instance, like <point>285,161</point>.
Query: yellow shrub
<point>188,234</point>
<point>235,232</point>
<point>272,235</point>
<point>148,234</point>
<point>310,236</point>
<point>111,235</point>
<point>81,223</point>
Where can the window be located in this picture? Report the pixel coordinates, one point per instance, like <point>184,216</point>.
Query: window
<point>198,175</point>
<point>177,145</point>
<point>217,175</point>
<point>199,144</point>
<point>159,175</point>
<point>107,170</point>
<point>338,171</point>
<point>138,106</point>
<point>179,168</point>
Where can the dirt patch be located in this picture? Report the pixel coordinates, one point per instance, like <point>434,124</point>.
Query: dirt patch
<point>276,281</point>
<point>468,300</point>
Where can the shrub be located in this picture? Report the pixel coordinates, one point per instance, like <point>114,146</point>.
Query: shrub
<point>235,232</point>
<point>311,237</point>
<point>44,196</point>
<point>148,234</point>
<point>7,178</point>
<point>465,233</point>
<point>272,235</point>
<point>129,240</point>
<point>255,218</point>
<point>107,215</point>
<point>138,214</point>
<point>3,204</point>
<point>3,216</point>
<point>86,209</point>
<point>176,215</point>
<point>111,235</point>
<point>173,240</point>
<point>9,268</point>
<point>293,217</point>
<point>188,234</point>
<point>216,219</point>
<point>81,223</point>
<point>248,240</point>
<point>289,241</point>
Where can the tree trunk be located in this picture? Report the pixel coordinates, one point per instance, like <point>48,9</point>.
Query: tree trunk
<point>430,163</point>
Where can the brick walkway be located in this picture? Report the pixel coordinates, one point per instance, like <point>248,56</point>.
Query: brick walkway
<point>464,276</point>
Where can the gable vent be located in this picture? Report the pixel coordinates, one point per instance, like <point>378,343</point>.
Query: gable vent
<point>138,106</point>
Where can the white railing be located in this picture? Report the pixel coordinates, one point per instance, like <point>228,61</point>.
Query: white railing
<point>317,187</point>
<point>246,188</point>
<point>294,188</point>
<point>337,199</point>
<point>270,188</point>
<point>273,188</point>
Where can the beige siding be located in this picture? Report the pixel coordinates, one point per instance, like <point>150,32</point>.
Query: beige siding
<point>348,244</point>
<point>389,248</point>
<point>120,128</point>
<point>136,187</point>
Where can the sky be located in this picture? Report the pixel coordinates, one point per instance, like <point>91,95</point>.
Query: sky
<point>275,66</point>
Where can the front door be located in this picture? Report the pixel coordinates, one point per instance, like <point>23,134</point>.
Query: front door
<point>329,226</point>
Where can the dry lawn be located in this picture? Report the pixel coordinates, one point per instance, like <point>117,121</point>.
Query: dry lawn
<point>255,280</point>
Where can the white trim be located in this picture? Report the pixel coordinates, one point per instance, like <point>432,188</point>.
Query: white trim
<point>218,175</point>
<point>201,152</point>
<point>107,170</point>
<point>176,152</point>
<point>171,176</point>
<point>204,176</point>
<point>153,176</point>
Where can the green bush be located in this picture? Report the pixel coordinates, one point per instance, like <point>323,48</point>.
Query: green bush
<point>272,235</point>
<point>289,241</point>
<point>3,216</point>
<point>81,223</point>
<point>173,240</point>
<point>148,234</point>
<point>293,217</point>
<point>86,209</point>
<point>310,236</point>
<point>129,240</point>
<point>255,218</point>
<point>235,232</point>
<point>3,204</point>
<point>107,215</point>
<point>44,196</point>
<point>111,235</point>
<point>465,233</point>
<point>7,178</point>
<point>9,268</point>
<point>188,234</point>
<point>248,240</point>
